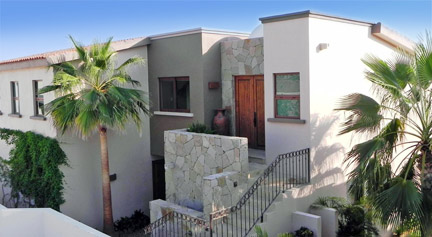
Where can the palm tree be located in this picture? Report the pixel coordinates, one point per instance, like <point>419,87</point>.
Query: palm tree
<point>92,97</point>
<point>393,168</point>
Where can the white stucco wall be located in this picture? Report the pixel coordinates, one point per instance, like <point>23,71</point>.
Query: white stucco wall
<point>129,151</point>
<point>325,76</point>
<point>286,50</point>
<point>25,78</point>
<point>29,222</point>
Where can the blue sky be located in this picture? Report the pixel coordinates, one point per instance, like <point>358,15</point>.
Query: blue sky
<point>31,27</point>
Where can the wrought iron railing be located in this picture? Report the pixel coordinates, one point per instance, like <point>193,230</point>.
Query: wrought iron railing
<point>177,224</point>
<point>285,172</point>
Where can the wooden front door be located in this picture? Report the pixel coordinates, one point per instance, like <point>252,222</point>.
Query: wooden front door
<point>249,94</point>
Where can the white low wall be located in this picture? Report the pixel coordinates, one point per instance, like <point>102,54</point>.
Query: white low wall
<point>29,222</point>
<point>302,219</point>
<point>329,220</point>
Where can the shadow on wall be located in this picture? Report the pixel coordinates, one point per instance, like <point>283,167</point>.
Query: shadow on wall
<point>327,172</point>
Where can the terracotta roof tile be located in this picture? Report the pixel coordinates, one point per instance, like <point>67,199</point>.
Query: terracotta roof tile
<point>54,53</point>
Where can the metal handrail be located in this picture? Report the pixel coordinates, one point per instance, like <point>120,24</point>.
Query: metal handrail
<point>276,168</point>
<point>174,223</point>
<point>288,170</point>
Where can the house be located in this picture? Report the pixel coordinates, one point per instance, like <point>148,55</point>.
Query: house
<point>278,85</point>
<point>130,159</point>
<point>185,58</point>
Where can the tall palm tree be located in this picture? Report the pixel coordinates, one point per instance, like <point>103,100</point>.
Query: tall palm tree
<point>93,96</point>
<point>393,168</point>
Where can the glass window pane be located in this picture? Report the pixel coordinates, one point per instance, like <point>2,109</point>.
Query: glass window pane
<point>182,91</point>
<point>15,89</point>
<point>36,87</point>
<point>39,108</point>
<point>16,107</point>
<point>167,94</point>
<point>288,84</point>
<point>288,108</point>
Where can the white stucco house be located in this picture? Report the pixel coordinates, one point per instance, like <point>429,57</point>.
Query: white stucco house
<point>279,86</point>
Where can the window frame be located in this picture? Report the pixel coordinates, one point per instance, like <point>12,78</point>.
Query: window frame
<point>15,98</point>
<point>36,98</point>
<point>285,97</point>
<point>174,80</point>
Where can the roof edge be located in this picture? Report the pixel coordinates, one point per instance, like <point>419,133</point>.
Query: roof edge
<point>392,37</point>
<point>308,13</point>
<point>63,55</point>
<point>196,31</point>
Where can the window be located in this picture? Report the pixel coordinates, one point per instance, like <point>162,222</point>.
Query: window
<point>15,97</point>
<point>38,100</point>
<point>174,94</point>
<point>287,95</point>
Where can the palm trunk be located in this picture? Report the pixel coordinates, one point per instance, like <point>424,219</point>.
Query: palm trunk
<point>427,180</point>
<point>108,226</point>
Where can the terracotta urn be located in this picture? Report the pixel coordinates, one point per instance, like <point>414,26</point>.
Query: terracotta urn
<point>220,122</point>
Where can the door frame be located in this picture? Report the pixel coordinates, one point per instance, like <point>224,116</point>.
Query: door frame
<point>254,99</point>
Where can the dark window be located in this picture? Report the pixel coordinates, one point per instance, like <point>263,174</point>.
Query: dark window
<point>38,100</point>
<point>174,94</point>
<point>287,95</point>
<point>15,97</point>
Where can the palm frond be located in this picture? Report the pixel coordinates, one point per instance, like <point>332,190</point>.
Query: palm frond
<point>400,203</point>
<point>365,113</point>
<point>91,93</point>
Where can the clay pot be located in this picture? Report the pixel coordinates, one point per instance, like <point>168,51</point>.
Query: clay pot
<point>220,122</point>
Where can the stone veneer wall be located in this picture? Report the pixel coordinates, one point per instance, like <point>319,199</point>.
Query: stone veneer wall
<point>239,57</point>
<point>223,190</point>
<point>190,157</point>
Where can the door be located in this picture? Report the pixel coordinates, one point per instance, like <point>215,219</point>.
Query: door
<point>158,179</point>
<point>249,94</point>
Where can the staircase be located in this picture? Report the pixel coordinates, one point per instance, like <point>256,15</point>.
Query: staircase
<point>266,184</point>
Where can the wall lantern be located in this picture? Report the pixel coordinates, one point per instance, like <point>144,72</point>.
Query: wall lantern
<point>323,46</point>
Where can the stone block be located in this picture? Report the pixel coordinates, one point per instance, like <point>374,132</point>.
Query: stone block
<point>227,144</point>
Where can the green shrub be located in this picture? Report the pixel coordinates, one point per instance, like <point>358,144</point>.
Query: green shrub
<point>137,221</point>
<point>33,169</point>
<point>353,219</point>
<point>199,128</point>
<point>286,235</point>
<point>260,232</point>
<point>303,232</point>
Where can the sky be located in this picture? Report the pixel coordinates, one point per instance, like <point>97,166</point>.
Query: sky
<point>31,27</point>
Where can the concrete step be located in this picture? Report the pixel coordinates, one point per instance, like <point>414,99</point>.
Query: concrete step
<point>257,156</point>
<point>255,170</point>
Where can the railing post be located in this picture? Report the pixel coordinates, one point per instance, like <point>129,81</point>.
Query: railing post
<point>308,163</point>
<point>211,225</point>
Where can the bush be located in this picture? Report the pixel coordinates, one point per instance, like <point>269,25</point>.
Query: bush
<point>303,232</point>
<point>32,170</point>
<point>136,222</point>
<point>354,219</point>
<point>199,128</point>
<point>286,235</point>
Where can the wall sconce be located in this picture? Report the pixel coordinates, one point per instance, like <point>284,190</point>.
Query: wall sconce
<point>323,46</point>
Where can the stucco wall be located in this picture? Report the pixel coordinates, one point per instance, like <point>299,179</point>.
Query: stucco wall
<point>174,57</point>
<point>348,44</point>
<point>325,76</point>
<point>129,152</point>
<point>239,57</point>
<point>196,56</point>
<point>25,78</point>
<point>286,50</point>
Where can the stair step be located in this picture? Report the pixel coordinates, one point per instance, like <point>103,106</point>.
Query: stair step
<point>257,156</point>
